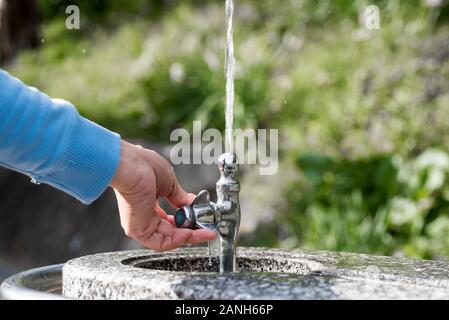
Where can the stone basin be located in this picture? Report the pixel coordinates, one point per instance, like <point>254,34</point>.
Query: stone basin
<point>263,274</point>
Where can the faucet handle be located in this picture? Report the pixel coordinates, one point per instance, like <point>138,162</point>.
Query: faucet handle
<point>199,215</point>
<point>202,198</point>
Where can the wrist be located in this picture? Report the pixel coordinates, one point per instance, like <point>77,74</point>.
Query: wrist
<point>128,160</point>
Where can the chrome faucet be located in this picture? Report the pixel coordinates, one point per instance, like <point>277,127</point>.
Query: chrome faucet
<point>222,216</point>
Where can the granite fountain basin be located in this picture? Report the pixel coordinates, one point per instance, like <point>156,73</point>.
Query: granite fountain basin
<point>263,274</point>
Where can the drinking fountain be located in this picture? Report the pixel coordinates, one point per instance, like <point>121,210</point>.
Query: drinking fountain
<point>253,273</point>
<point>223,216</point>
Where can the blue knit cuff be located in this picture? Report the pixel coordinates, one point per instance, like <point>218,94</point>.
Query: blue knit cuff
<point>89,163</point>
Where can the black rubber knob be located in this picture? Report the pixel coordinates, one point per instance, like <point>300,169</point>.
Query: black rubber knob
<point>180,217</point>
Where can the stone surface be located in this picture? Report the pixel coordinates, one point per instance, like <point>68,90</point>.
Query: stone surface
<point>263,274</point>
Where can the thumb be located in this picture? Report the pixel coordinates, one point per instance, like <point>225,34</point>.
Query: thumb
<point>178,197</point>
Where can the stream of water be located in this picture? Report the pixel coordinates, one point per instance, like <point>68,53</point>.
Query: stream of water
<point>230,75</point>
<point>209,249</point>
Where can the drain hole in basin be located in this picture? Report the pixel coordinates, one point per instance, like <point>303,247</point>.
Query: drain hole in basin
<point>201,264</point>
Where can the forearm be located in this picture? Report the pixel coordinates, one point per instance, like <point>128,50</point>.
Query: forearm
<point>50,142</point>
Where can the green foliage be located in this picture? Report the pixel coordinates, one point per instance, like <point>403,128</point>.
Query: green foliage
<point>382,204</point>
<point>94,76</point>
<point>98,11</point>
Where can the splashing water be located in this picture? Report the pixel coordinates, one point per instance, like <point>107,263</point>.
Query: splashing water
<point>230,75</point>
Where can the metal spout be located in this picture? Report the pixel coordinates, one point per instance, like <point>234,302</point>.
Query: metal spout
<point>223,216</point>
<point>228,205</point>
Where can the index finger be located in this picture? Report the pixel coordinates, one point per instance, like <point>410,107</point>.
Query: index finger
<point>178,197</point>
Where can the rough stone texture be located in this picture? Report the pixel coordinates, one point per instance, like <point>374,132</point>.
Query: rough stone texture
<point>263,274</point>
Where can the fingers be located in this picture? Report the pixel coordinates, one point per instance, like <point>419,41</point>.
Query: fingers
<point>160,211</point>
<point>147,176</point>
<point>167,237</point>
<point>187,236</point>
<point>154,241</point>
<point>201,235</point>
<point>157,241</point>
<point>163,214</point>
<point>165,228</point>
<point>181,237</point>
<point>178,197</point>
<point>137,214</point>
<point>171,219</point>
<point>167,184</point>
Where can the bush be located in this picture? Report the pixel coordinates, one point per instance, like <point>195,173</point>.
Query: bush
<point>383,205</point>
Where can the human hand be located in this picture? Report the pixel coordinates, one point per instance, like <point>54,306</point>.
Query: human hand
<point>142,178</point>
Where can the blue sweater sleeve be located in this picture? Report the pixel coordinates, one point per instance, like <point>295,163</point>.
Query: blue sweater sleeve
<point>49,141</point>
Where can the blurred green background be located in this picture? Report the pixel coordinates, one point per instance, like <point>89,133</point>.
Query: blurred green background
<point>362,114</point>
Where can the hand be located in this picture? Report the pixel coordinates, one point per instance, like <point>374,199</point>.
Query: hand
<point>142,178</point>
